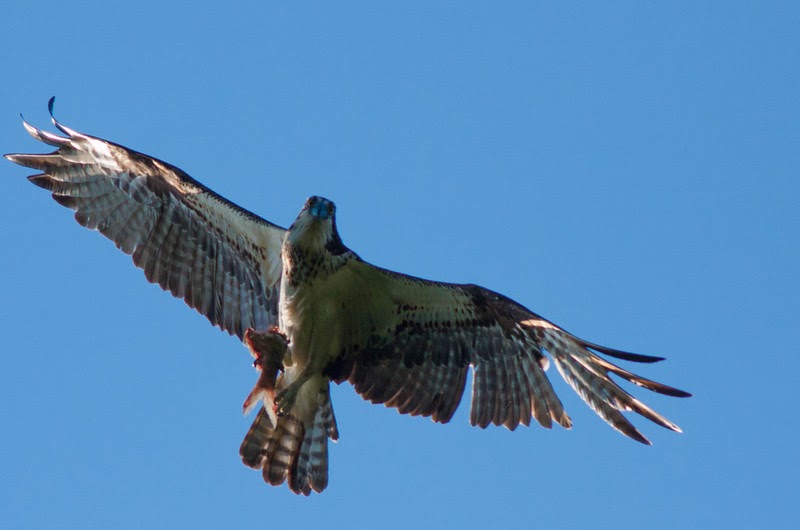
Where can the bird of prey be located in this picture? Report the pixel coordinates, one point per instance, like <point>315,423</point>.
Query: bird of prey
<point>311,311</point>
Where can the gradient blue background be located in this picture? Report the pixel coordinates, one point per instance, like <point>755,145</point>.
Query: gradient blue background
<point>627,170</point>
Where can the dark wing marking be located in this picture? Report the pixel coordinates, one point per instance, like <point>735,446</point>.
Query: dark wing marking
<point>221,259</point>
<point>416,359</point>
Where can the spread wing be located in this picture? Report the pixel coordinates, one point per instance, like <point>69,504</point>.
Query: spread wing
<point>424,335</point>
<point>221,259</point>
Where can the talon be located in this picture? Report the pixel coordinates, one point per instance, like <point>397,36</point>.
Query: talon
<point>284,400</point>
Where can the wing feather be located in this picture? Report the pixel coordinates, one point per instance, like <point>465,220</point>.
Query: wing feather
<point>436,331</point>
<point>221,259</point>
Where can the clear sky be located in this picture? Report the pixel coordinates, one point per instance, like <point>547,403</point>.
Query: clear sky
<point>627,170</point>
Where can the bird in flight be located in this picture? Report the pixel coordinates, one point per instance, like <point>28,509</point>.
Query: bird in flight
<point>311,311</point>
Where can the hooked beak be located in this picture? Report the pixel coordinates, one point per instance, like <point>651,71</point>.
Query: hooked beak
<point>320,211</point>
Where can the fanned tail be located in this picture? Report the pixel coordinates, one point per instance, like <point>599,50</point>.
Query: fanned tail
<point>292,450</point>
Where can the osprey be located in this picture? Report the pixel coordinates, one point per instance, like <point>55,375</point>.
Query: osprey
<point>311,311</point>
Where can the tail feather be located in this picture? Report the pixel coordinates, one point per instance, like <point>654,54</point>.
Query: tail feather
<point>297,476</point>
<point>253,448</point>
<point>310,470</point>
<point>292,450</point>
<point>283,450</point>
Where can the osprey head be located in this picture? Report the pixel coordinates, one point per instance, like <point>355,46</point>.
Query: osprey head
<point>315,227</point>
<point>320,207</point>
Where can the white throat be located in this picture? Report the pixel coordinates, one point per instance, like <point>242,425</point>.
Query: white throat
<point>309,233</point>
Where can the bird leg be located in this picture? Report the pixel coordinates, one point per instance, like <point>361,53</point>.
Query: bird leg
<point>286,397</point>
<point>268,350</point>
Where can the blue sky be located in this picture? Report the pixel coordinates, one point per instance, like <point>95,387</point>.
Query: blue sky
<point>627,170</point>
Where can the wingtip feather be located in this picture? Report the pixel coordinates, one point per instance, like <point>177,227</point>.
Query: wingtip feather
<point>676,392</point>
<point>66,130</point>
<point>43,136</point>
<point>42,180</point>
<point>624,355</point>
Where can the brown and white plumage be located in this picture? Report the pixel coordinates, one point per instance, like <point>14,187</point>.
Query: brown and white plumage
<point>416,357</point>
<point>402,341</point>
<point>221,259</point>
